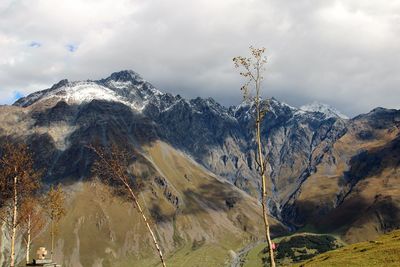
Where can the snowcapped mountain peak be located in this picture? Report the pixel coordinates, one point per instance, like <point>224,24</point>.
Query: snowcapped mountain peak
<point>129,88</point>
<point>327,110</point>
<point>77,93</point>
<point>270,103</point>
<point>128,79</point>
<point>59,84</point>
<point>125,76</point>
<point>126,87</point>
<point>275,102</point>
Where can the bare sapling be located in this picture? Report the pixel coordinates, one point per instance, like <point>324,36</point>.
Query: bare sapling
<point>54,203</point>
<point>32,221</point>
<point>112,166</point>
<point>253,68</point>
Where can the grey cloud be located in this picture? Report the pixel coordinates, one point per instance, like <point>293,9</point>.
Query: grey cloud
<point>343,53</point>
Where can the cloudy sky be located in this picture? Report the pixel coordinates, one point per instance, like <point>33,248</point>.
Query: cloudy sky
<point>345,53</point>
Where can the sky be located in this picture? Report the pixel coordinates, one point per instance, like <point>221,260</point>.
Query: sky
<point>345,53</point>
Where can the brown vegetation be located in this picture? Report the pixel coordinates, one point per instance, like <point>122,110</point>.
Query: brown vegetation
<point>55,208</point>
<point>18,182</point>
<point>33,221</point>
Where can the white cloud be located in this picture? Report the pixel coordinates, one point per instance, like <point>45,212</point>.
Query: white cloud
<point>344,53</point>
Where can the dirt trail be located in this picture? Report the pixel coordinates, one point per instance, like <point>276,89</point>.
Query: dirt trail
<point>237,260</point>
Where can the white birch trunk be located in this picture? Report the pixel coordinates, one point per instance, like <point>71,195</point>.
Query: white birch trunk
<point>28,241</point>
<point>148,226</point>
<point>14,223</point>
<point>52,239</point>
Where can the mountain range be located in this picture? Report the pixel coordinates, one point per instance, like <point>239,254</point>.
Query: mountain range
<point>327,172</point>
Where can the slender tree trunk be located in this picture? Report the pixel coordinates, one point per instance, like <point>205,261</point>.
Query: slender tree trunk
<point>147,225</point>
<point>264,197</point>
<point>262,172</point>
<point>14,223</point>
<point>28,241</point>
<point>160,254</point>
<point>52,239</point>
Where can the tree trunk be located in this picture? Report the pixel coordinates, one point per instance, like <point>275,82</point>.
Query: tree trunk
<point>267,230</point>
<point>28,241</point>
<point>52,239</point>
<point>147,225</point>
<point>14,223</point>
<point>264,182</point>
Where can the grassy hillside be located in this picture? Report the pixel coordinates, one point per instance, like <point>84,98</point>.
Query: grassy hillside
<point>385,251</point>
<point>293,248</point>
<point>198,218</point>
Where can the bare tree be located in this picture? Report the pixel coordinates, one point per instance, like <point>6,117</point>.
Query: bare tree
<point>112,166</point>
<point>54,203</point>
<point>253,68</point>
<point>32,220</point>
<point>18,181</point>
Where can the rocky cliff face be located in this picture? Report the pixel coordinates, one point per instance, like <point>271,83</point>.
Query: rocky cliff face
<point>316,156</point>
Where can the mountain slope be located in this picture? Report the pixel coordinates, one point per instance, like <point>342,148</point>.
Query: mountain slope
<point>217,137</point>
<point>354,189</point>
<point>321,165</point>
<point>192,210</point>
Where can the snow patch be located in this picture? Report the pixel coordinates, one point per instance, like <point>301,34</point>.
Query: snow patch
<point>85,92</point>
<point>119,85</point>
<point>329,111</point>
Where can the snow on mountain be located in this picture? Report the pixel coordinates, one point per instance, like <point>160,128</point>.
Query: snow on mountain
<point>84,92</point>
<point>129,88</point>
<point>329,111</point>
<point>281,104</point>
<point>126,87</point>
<point>81,92</point>
<point>271,105</point>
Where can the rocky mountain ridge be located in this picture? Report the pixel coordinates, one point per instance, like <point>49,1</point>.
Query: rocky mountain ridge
<point>301,143</point>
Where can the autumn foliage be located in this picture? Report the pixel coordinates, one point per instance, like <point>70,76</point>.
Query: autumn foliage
<point>19,181</point>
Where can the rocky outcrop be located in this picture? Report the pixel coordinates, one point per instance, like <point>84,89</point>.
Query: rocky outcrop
<point>168,193</point>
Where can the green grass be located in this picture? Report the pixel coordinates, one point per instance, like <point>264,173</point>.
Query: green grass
<point>292,248</point>
<point>254,257</point>
<point>383,252</point>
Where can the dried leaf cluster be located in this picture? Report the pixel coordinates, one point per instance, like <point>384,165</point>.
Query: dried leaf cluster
<point>16,161</point>
<point>113,168</point>
<point>252,71</point>
<point>54,203</point>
